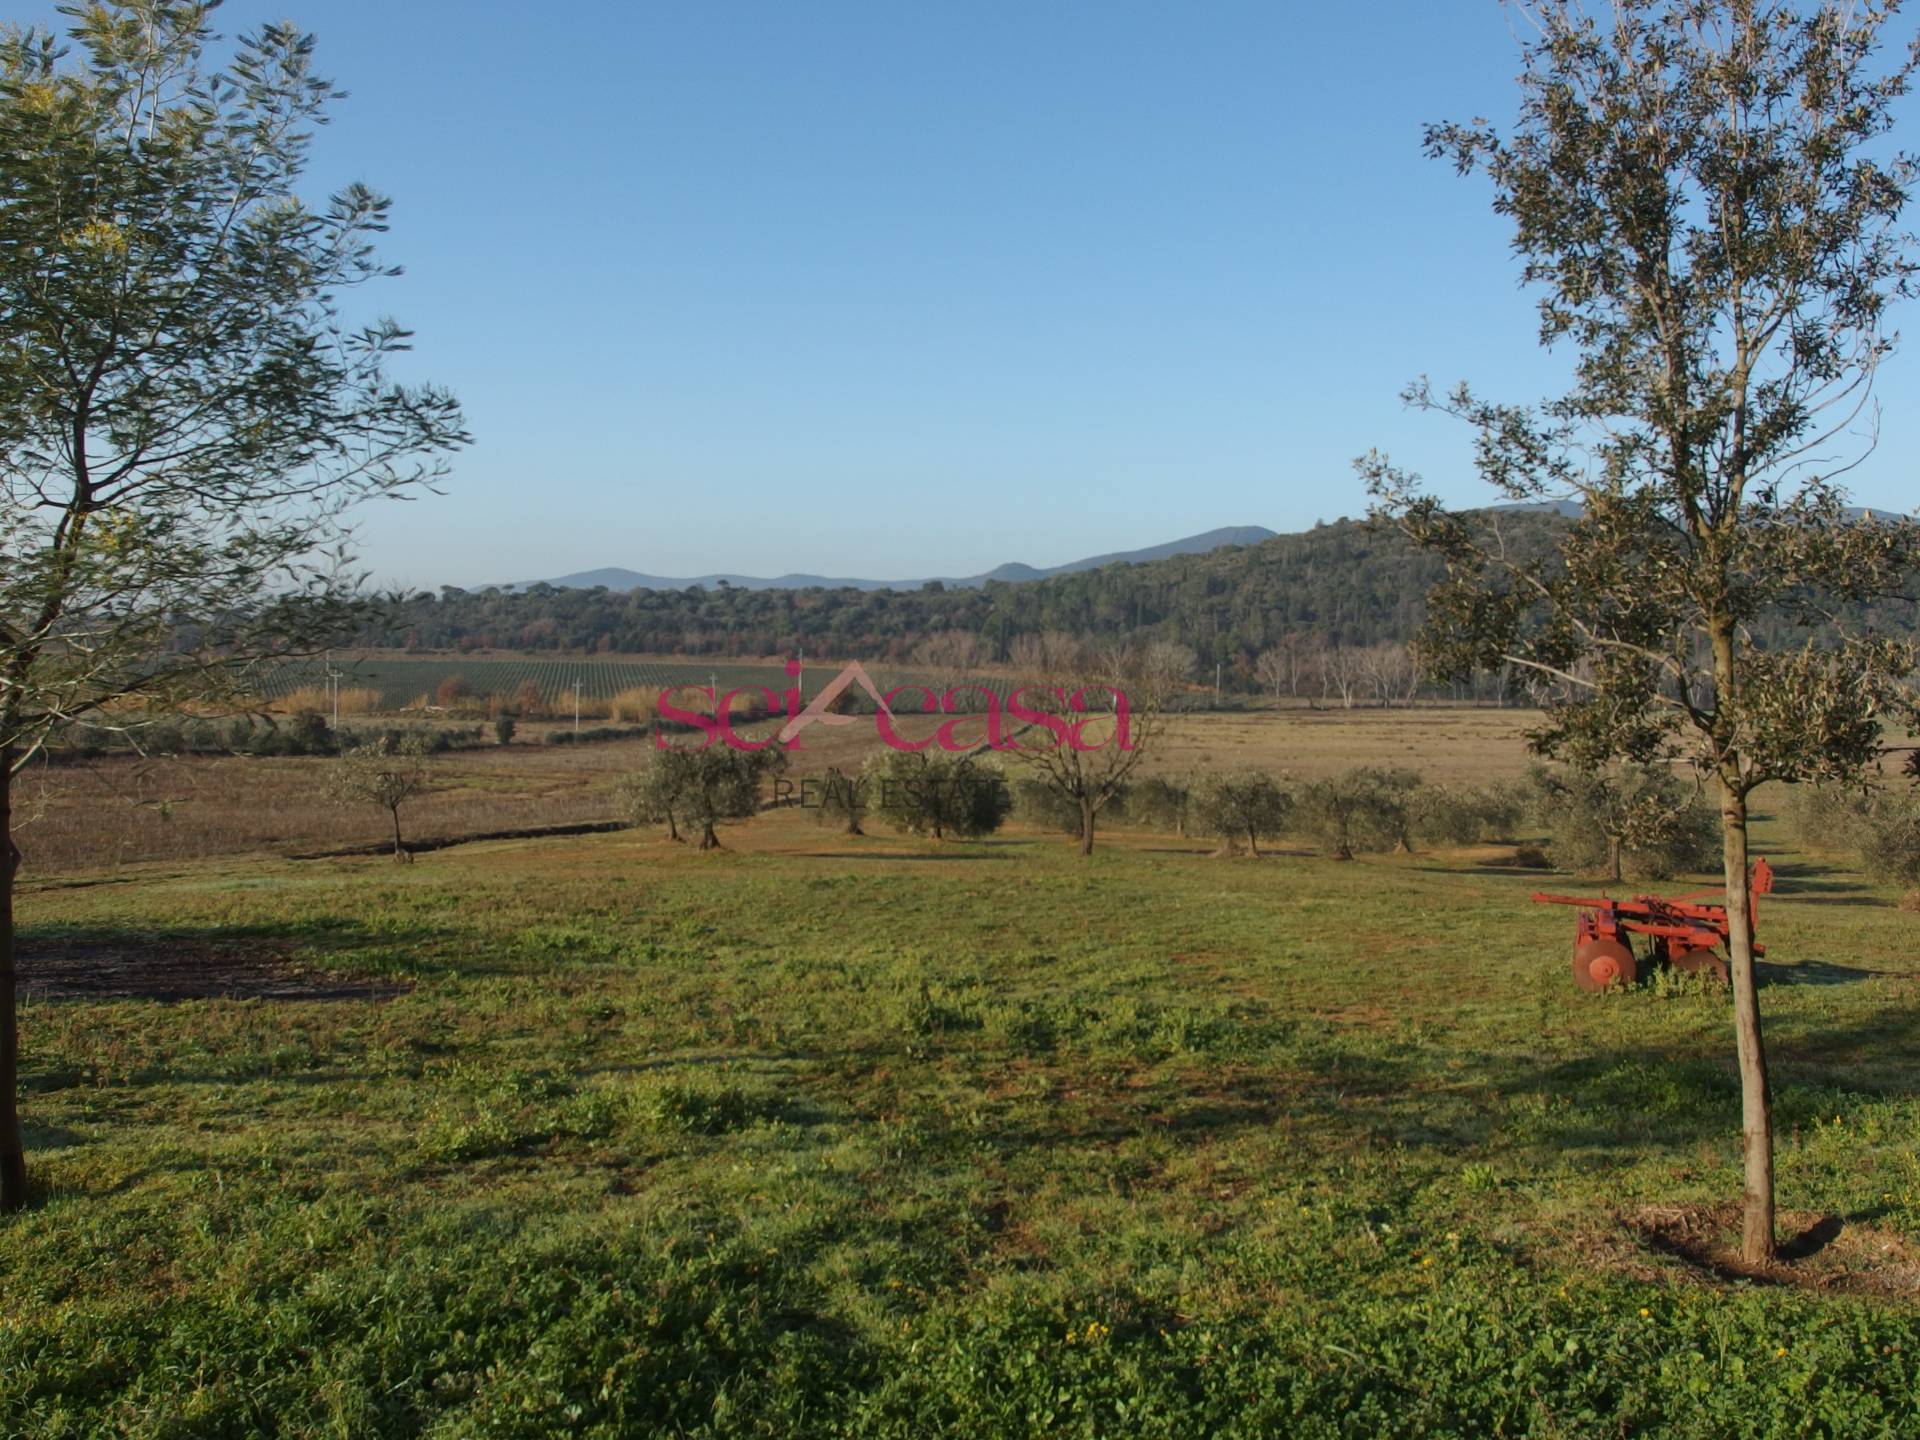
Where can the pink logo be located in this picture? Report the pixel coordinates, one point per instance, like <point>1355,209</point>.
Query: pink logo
<point>1052,720</point>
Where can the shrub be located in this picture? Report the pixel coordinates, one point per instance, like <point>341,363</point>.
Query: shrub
<point>1161,802</point>
<point>1830,819</point>
<point>504,728</point>
<point>595,734</point>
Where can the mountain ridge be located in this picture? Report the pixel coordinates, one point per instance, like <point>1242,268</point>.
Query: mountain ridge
<point>619,579</point>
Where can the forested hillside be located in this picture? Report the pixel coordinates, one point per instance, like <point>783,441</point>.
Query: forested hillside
<point>1345,586</point>
<point>1344,583</point>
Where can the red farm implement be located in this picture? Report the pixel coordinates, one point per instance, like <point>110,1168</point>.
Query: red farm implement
<point>1681,932</point>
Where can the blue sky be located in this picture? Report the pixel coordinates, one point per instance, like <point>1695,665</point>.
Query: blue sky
<point>889,290</point>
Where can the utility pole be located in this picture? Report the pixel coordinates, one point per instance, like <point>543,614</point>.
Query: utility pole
<point>333,689</point>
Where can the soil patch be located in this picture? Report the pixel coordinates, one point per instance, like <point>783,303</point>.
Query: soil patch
<point>1817,1252</point>
<point>170,968</point>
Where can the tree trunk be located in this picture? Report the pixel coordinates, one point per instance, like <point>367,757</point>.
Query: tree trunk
<point>1086,827</point>
<point>708,840</point>
<point>399,849</point>
<point>673,830</point>
<point>1613,859</point>
<point>1756,1091</point>
<point>13,1155</point>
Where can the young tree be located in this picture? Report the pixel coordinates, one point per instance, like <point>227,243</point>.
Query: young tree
<point>1699,191</point>
<point>1241,805</point>
<point>185,414</point>
<point>386,773</point>
<point>1088,758</point>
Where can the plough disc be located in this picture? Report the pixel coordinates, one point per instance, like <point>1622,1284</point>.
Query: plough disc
<point>1702,962</point>
<point>1600,963</point>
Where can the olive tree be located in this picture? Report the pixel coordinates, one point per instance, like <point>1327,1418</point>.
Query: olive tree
<point>933,793</point>
<point>657,794</point>
<point>1701,195</point>
<point>844,800</point>
<point>1093,714</point>
<point>1361,809</point>
<point>186,414</point>
<point>1617,820</point>
<point>721,783</point>
<point>1241,805</point>
<point>1162,800</point>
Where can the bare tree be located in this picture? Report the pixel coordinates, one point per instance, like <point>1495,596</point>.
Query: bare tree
<point>1273,669</point>
<point>1341,674</point>
<point>955,652</point>
<point>387,774</point>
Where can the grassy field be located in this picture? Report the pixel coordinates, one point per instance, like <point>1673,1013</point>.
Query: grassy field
<point>878,1137</point>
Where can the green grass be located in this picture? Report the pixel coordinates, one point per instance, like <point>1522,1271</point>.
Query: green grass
<point>985,1141</point>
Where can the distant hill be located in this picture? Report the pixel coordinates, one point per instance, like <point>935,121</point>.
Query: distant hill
<point>616,578</point>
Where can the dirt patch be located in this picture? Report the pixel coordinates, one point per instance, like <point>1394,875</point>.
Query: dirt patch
<point>1817,1252</point>
<point>166,968</point>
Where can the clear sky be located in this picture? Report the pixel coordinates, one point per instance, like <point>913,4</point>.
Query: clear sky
<point>887,289</point>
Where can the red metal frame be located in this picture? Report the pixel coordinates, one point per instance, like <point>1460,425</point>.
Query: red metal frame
<point>1679,925</point>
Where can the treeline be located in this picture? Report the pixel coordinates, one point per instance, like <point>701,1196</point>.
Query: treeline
<point>1346,585</point>
<point>1325,614</point>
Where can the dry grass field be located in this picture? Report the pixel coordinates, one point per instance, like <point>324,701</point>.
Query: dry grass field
<point>118,811</point>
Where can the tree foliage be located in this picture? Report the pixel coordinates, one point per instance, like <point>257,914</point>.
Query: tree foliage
<point>186,412</point>
<point>706,787</point>
<point>1701,199</point>
<point>1362,809</point>
<point>937,794</point>
<point>1241,805</point>
<point>843,800</point>
<point>1640,822</point>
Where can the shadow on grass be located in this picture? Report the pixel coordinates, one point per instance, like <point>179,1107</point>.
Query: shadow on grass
<point>1816,972</point>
